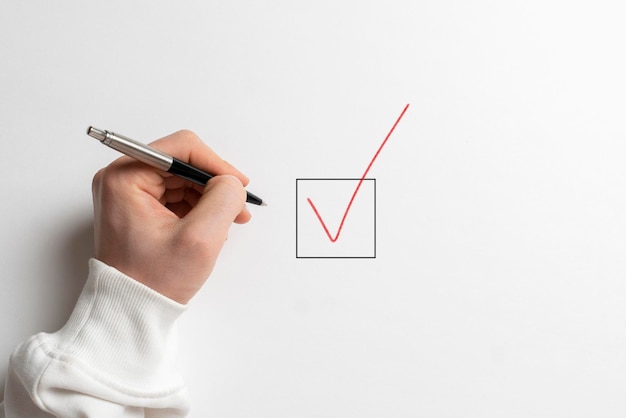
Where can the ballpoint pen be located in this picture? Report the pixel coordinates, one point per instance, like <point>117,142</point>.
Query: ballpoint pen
<point>158,159</point>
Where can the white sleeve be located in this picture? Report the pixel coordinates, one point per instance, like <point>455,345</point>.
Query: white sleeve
<point>115,357</point>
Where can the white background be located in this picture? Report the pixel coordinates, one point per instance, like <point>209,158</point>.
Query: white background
<point>499,284</point>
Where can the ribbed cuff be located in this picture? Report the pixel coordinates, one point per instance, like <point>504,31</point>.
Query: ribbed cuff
<point>122,331</point>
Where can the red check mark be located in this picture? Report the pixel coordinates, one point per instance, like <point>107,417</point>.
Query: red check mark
<point>358,186</point>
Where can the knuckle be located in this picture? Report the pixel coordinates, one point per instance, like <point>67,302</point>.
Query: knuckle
<point>197,243</point>
<point>109,178</point>
<point>187,136</point>
<point>96,182</point>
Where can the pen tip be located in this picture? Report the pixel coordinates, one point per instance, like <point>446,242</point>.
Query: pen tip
<point>264,203</point>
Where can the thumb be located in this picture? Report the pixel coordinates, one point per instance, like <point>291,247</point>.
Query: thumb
<point>223,199</point>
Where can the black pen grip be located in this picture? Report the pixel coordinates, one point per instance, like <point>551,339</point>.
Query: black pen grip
<point>188,172</point>
<point>200,177</point>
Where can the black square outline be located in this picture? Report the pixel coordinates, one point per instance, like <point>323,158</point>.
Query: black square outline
<point>321,257</point>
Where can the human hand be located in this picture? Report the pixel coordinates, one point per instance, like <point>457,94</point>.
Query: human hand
<point>161,230</point>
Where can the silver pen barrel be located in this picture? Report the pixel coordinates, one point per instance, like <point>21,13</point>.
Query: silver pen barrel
<point>132,148</point>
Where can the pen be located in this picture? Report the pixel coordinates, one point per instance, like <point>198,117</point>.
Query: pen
<point>158,159</point>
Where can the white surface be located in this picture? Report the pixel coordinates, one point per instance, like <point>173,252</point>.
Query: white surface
<point>499,283</point>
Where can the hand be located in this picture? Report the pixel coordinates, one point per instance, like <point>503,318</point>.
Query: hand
<point>161,230</point>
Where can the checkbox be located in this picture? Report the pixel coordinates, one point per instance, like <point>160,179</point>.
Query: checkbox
<point>322,204</point>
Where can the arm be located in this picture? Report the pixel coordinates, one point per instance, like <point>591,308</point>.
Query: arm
<point>157,240</point>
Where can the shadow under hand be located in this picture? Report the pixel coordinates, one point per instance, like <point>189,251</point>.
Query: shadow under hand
<point>72,258</point>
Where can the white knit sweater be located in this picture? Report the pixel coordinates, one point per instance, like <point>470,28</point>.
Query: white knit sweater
<point>115,357</point>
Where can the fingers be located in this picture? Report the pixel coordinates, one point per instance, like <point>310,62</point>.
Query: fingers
<point>222,203</point>
<point>180,199</point>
